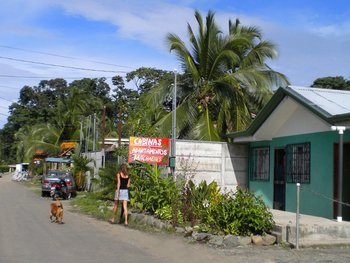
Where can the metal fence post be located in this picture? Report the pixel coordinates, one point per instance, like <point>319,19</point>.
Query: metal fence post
<point>297,217</point>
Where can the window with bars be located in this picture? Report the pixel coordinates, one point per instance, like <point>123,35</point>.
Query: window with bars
<point>260,164</point>
<point>298,163</point>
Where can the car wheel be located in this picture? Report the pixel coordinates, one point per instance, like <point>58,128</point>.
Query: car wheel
<point>43,193</point>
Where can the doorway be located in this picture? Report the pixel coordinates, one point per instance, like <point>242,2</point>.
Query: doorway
<point>346,181</point>
<point>279,182</point>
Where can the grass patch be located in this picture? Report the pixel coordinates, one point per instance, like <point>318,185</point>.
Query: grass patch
<point>91,204</point>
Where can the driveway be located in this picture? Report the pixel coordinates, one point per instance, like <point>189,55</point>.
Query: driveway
<point>26,235</point>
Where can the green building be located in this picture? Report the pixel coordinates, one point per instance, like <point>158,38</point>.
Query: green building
<point>291,141</point>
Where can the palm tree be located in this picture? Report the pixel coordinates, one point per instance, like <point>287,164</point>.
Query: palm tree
<point>229,79</point>
<point>41,136</point>
<point>66,126</point>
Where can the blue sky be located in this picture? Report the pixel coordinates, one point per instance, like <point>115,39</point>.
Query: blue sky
<point>312,37</point>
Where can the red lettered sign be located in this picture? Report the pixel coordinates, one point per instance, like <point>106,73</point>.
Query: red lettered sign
<point>149,150</point>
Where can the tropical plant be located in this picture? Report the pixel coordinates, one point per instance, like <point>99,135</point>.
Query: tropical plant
<point>80,168</point>
<point>41,136</point>
<point>225,79</point>
<point>240,214</point>
<point>149,189</point>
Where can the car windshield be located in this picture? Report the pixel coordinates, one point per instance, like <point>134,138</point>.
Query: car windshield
<point>57,174</point>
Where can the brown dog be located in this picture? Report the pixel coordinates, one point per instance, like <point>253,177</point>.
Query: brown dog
<point>57,211</point>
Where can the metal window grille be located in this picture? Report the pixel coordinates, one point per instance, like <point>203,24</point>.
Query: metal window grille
<point>298,163</point>
<point>260,166</point>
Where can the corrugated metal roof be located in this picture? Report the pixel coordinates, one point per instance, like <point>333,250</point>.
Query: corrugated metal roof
<point>334,102</point>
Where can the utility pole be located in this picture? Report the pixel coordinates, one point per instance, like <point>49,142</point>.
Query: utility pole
<point>81,134</point>
<point>119,127</point>
<point>103,135</point>
<point>94,135</point>
<point>173,133</point>
<point>87,135</point>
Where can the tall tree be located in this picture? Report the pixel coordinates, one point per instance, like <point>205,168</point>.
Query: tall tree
<point>229,79</point>
<point>145,78</point>
<point>332,83</point>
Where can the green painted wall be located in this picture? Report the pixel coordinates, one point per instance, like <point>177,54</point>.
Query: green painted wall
<point>314,197</point>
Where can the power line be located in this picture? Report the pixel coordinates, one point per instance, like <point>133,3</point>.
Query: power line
<point>62,66</point>
<point>62,56</point>
<point>3,107</point>
<point>5,115</point>
<point>45,77</point>
<point>6,99</point>
<point>7,87</point>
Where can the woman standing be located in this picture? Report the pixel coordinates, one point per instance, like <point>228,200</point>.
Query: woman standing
<point>122,193</point>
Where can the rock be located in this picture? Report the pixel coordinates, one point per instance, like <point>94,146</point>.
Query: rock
<point>201,237</point>
<point>257,240</point>
<point>216,240</point>
<point>159,224</point>
<point>231,241</point>
<point>268,240</point>
<point>244,241</point>
<point>188,231</point>
<point>179,230</point>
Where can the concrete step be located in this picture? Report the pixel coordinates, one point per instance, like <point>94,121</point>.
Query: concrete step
<point>313,231</point>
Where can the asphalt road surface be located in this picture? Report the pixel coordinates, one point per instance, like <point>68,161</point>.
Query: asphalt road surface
<point>28,236</point>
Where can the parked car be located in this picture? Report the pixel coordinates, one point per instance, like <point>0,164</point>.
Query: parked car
<point>55,176</point>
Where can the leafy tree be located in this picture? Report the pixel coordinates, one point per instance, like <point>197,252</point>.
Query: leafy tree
<point>145,78</point>
<point>126,101</point>
<point>229,78</point>
<point>7,146</point>
<point>96,87</point>
<point>332,83</point>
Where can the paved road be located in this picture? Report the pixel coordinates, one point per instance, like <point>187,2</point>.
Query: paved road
<point>26,236</point>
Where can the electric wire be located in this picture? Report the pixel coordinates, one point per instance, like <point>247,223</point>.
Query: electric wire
<point>323,195</point>
<point>45,77</point>
<point>6,99</point>
<point>61,66</point>
<point>63,56</point>
<point>7,87</point>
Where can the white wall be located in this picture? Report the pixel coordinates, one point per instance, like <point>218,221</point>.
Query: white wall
<point>225,163</point>
<point>213,161</point>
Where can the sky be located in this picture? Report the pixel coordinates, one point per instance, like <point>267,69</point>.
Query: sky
<point>73,39</point>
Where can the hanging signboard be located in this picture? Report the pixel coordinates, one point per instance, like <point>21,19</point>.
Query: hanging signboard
<point>68,145</point>
<point>149,150</point>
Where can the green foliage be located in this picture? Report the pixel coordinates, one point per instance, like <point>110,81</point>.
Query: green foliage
<point>92,203</point>
<point>240,214</point>
<point>164,213</point>
<point>149,190</point>
<point>226,78</point>
<point>80,167</point>
<point>332,83</point>
<point>108,180</point>
<point>195,199</point>
<point>4,168</point>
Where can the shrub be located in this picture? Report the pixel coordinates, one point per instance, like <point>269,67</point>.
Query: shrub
<point>4,168</point>
<point>149,190</point>
<point>240,214</point>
